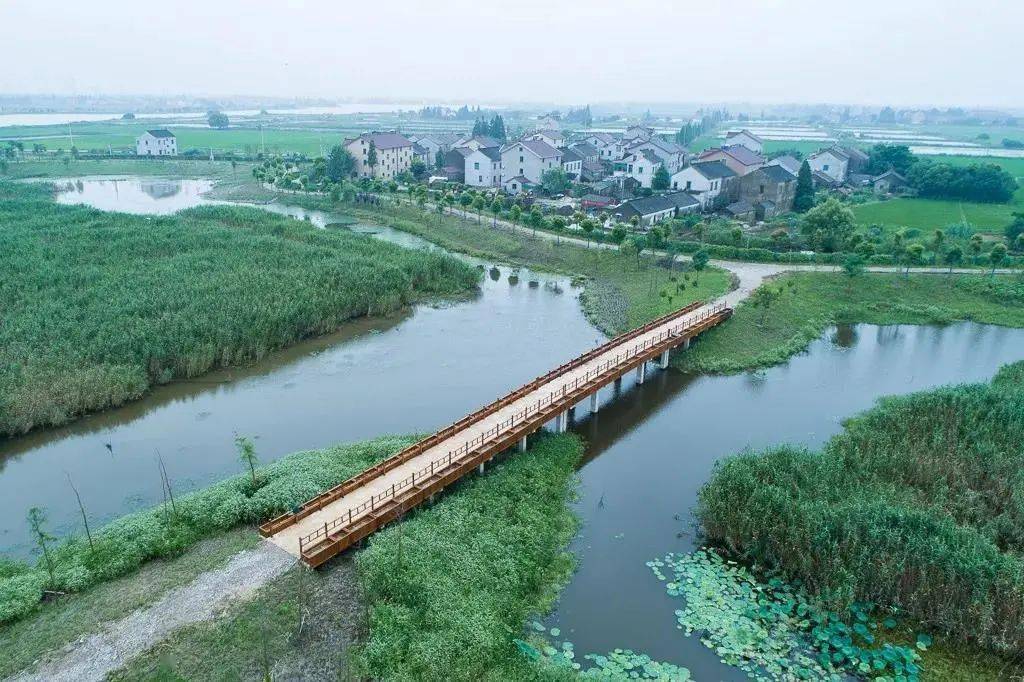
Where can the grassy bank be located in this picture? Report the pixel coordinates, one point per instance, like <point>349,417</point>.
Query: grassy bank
<point>172,168</point>
<point>68,618</point>
<point>914,506</point>
<point>445,593</point>
<point>810,302</point>
<point>124,545</point>
<point>619,295</point>
<point>98,307</point>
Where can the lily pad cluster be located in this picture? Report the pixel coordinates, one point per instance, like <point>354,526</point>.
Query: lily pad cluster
<point>620,664</point>
<point>771,631</point>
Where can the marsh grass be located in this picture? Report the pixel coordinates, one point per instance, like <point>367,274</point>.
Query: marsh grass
<point>98,307</point>
<point>916,506</point>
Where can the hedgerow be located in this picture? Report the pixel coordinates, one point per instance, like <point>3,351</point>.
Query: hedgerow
<point>918,504</point>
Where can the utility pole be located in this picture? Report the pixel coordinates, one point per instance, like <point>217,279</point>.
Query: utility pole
<point>71,134</point>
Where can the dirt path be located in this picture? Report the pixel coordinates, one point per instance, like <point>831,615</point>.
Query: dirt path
<point>93,656</point>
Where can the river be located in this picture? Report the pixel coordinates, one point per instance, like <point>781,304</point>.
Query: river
<point>649,449</point>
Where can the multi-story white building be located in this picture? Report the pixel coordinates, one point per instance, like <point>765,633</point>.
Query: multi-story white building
<point>705,180</point>
<point>394,154</point>
<point>833,162</point>
<point>745,138</point>
<point>159,142</point>
<point>529,159</point>
<point>609,145</point>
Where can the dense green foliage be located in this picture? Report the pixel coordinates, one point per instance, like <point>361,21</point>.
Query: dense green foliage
<point>916,505</point>
<point>985,182</point>
<point>812,301</point>
<point>125,544</point>
<point>98,307</point>
<point>450,588</point>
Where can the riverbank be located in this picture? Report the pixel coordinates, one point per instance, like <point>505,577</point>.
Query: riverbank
<point>875,516</point>
<point>762,334</point>
<point>488,554</point>
<point>107,305</point>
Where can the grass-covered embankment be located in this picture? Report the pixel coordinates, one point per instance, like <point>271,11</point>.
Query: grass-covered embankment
<point>124,545</point>
<point>446,591</point>
<point>618,295</point>
<point>916,505</point>
<point>98,307</point>
<point>812,301</point>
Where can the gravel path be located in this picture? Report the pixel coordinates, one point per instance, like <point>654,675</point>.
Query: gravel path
<point>93,656</point>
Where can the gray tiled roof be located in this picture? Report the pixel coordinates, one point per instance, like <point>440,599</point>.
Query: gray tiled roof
<point>386,140</point>
<point>160,132</point>
<point>776,174</point>
<point>713,170</point>
<point>538,147</point>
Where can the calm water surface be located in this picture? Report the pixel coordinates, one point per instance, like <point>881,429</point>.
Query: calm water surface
<point>649,449</point>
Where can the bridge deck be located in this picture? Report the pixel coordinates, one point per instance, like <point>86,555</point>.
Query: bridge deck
<point>334,520</point>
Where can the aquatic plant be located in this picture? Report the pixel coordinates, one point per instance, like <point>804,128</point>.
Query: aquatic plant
<point>98,307</point>
<point>916,505</point>
<point>770,630</point>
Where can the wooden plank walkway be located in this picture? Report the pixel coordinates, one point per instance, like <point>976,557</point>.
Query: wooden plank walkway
<point>338,518</point>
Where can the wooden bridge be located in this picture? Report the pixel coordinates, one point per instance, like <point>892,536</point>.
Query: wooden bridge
<point>342,516</point>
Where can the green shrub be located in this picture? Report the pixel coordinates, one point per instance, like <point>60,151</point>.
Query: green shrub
<point>917,505</point>
<point>450,588</point>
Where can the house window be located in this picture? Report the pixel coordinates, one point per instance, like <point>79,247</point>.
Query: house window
<point>825,167</point>
<point>479,178</point>
<point>689,183</point>
<point>520,159</point>
<point>762,189</point>
<point>476,166</point>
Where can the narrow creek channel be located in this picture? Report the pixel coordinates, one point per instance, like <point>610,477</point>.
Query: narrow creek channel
<point>649,448</point>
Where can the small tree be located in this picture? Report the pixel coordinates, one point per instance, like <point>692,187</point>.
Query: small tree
<point>914,256</point>
<point>465,201</point>
<point>371,158</point>
<point>661,180</point>
<point>639,244</point>
<point>497,206</point>
<point>954,257</point>
<point>853,266</point>
<point>700,260</point>
<point>803,198</point>
<point>478,205</point>
<point>439,160</point>
<point>975,246</point>
<point>587,225</point>
<point>247,455</point>
<point>536,219</point>
<point>515,213</point>
<point>996,257</point>
<point>938,239</point>
<point>340,164</point>
<point>37,522</point>
<point>618,233</point>
<point>764,297</point>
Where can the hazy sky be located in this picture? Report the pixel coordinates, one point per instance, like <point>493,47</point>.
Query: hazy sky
<point>901,52</point>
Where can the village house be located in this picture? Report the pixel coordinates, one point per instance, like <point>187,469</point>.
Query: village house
<point>553,137</point>
<point>421,153</point>
<point>672,155</point>
<point>476,142</point>
<point>620,187</point>
<point>435,142</point>
<point>707,181</point>
<point>593,171</point>
<point>770,189</point>
<point>740,160</point>
<point>833,162</point>
<point>790,163</point>
<point>517,184</point>
<point>596,202</point>
<point>888,182</point>
<point>655,209</point>
<point>634,133</point>
<point>394,154</point>
<point>608,145</point>
<point>476,167</point>
<point>529,159</point>
<point>640,166</point>
<point>158,142</point>
<point>741,210</point>
<point>746,139</point>
<point>572,163</point>
<point>587,151</point>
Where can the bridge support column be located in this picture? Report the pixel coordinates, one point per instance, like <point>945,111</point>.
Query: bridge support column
<point>664,359</point>
<point>522,444</point>
<point>641,373</point>
<point>686,343</point>
<point>593,403</point>
<point>480,468</point>
<point>562,423</point>
<point>618,385</point>
<point>571,414</point>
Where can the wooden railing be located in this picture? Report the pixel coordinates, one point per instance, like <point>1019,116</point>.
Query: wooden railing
<point>317,503</point>
<point>530,417</point>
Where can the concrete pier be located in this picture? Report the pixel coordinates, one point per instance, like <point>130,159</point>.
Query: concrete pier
<point>522,444</point>
<point>641,373</point>
<point>593,403</point>
<point>664,360</point>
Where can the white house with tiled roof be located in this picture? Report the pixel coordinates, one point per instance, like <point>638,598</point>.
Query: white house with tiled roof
<point>158,142</point>
<point>394,154</point>
<point>745,138</point>
<point>529,159</point>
